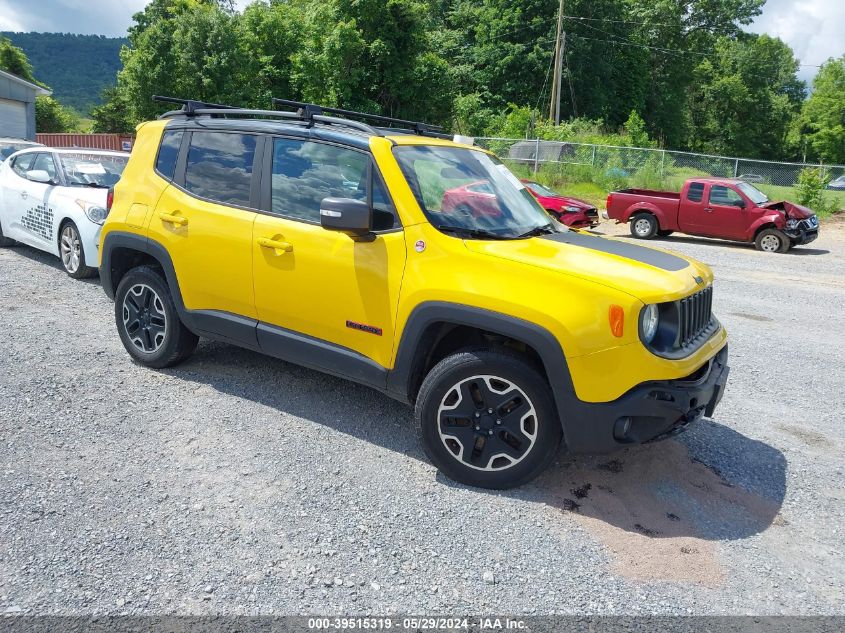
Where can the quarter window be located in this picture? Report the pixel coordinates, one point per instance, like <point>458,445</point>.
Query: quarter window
<point>695,192</point>
<point>22,164</point>
<point>219,167</point>
<point>168,153</point>
<point>305,172</point>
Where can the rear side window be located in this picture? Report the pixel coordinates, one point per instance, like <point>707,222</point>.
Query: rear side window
<point>695,192</point>
<point>168,153</point>
<point>219,167</point>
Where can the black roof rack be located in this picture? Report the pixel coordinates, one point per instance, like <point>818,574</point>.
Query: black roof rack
<point>312,112</point>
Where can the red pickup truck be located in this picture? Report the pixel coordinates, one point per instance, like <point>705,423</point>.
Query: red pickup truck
<point>715,207</point>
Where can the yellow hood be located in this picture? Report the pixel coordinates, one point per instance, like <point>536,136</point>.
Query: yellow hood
<point>649,274</point>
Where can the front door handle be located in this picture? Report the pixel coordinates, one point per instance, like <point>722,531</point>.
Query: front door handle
<point>172,218</point>
<point>708,210</point>
<point>276,245</point>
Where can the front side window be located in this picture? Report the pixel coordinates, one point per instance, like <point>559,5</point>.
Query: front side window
<point>92,170</point>
<point>45,162</point>
<point>168,153</point>
<point>219,167</point>
<point>470,192</point>
<point>724,196</point>
<point>305,172</point>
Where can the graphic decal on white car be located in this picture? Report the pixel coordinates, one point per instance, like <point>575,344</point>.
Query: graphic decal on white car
<point>39,220</point>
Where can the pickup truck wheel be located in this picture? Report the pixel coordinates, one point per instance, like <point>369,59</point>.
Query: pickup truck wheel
<point>148,322</point>
<point>644,226</point>
<point>772,241</point>
<point>486,418</point>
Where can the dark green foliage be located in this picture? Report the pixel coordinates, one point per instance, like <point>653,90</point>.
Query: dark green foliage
<point>75,67</point>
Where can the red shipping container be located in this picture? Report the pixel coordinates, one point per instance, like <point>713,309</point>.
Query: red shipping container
<point>114,142</point>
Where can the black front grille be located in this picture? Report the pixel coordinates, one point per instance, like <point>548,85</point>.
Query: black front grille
<point>694,314</point>
<point>592,213</point>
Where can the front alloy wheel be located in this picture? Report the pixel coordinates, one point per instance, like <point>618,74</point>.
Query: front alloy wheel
<point>144,318</point>
<point>486,418</point>
<point>72,252</point>
<point>487,422</point>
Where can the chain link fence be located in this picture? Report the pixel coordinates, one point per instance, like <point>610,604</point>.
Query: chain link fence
<point>618,167</point>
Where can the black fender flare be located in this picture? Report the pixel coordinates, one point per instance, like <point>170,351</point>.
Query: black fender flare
<point>400,378</point>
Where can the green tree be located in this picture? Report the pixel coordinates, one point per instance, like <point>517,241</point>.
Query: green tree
<point>743,100</point>
<point>819,132</point>
<point>14,60</point>
<point>51,116</point>
<point>113,115</point>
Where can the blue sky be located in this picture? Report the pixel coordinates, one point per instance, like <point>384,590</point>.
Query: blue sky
<point>815,29</point>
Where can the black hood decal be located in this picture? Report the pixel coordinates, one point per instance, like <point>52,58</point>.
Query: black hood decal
<point>622,249</point>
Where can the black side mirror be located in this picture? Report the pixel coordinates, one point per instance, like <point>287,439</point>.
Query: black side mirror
<point>740,204</point>
<point>353,217</point>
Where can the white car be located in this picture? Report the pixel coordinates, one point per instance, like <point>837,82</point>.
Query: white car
<point>9,146</point>
<point>56,200</point>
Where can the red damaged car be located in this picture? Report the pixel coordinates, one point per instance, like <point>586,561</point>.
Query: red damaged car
<point>726,208</point>
<point>477,199</point>
<point>571,211</point>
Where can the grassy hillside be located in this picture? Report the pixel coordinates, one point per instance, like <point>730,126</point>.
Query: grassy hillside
<point>75,67</point>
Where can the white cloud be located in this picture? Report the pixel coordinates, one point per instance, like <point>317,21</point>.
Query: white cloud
<point>815,29</point>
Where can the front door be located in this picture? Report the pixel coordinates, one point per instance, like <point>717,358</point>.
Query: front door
<point>724,215</point>
<point>29,203</point>
<point>321,283</point>
<point>204,221</point>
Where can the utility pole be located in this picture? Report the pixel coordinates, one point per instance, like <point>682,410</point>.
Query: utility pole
<point>560,42</point>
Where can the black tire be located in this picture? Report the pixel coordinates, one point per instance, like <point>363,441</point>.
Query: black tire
<point>520,400</point>
<point>644,226</point>
<point>5,241</point>
<point>72,253</point>
<point>665,233</point>
<point>147,320</point>
<point>772,241</point>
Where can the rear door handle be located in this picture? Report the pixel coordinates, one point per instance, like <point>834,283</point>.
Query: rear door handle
<point>24,195</point>
<point>276,245</point>
<point>172,218</point>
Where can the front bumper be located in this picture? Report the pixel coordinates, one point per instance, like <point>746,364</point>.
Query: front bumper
<point>647,412</point>
<point>802,236</point>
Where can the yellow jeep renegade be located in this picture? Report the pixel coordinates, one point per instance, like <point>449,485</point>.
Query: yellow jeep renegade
<point>417,266</point>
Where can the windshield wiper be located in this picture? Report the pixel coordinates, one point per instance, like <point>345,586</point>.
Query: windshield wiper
<point>545,229</point>
<point>477,233</point>
<point>88,184</point>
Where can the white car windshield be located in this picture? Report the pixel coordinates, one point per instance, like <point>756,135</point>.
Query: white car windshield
<point>754,194</point>
<point>92,170</point>
<point>471,193</point>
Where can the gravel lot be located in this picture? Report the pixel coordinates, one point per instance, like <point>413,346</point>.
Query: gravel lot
<point>239,484</point>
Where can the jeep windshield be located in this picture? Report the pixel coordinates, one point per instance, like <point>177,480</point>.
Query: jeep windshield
<point>471,194</point>
<point>93,170</point>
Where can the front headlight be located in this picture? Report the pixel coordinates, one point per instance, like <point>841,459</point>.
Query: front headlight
<point>569,209</point>
<point>649,319</point>
<point>95,213</point>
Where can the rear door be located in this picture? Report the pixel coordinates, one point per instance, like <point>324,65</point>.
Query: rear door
<point>204,221</point>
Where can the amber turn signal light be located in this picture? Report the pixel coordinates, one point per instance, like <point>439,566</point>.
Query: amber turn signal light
<point>616,315</point>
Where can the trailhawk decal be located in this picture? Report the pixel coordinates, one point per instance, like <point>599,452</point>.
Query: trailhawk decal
<point>637,253</point>
<point>369,329</point>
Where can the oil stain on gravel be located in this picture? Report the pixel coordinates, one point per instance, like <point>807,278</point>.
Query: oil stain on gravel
<point>660,513</point>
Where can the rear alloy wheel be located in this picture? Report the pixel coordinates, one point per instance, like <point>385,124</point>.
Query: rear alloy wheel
<point>644,226</point>
<point>772,241</point>
<point>148,322</point>
<point>72,253</point>
<point>486,419</point>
